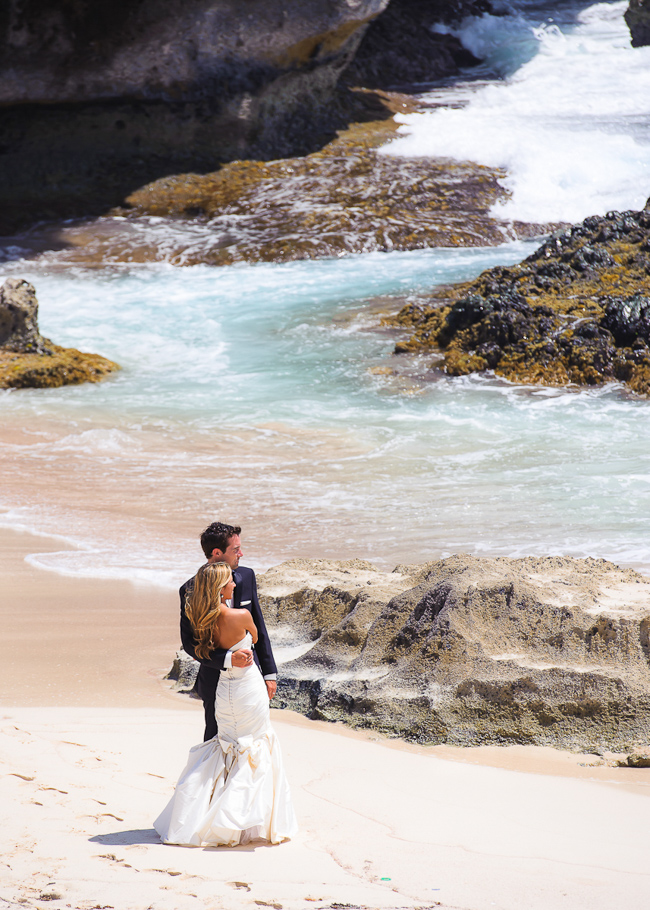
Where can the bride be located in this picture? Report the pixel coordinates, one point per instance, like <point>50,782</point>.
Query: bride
<point>233,788</point>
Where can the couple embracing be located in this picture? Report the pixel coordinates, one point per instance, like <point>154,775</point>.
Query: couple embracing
<point>233,789</point>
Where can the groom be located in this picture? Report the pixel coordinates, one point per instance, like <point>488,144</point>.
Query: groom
<point>222,543</point>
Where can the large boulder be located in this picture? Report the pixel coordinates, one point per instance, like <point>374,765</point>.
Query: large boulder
<point>552,651</point>
<point>404,47</point>
<point>19,318</point>
<point>637,17</point>
<point>29,361</point>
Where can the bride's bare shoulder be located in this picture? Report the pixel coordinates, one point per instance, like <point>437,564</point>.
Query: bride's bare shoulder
<point>232,624</point>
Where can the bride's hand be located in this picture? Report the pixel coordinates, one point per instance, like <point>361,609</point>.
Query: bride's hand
<point>242,658</point>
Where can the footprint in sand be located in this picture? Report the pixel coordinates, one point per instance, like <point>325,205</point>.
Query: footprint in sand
<point>99,817</point>
<point>114,859</point>
<point>240,886</point>
<point>18,733</point>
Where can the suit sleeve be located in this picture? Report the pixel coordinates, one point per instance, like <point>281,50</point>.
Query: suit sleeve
<point>263,647</point>
<point>217,656</point>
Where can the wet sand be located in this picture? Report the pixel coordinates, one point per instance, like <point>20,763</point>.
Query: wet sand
<point>76,641</point>
<point>93,740</point>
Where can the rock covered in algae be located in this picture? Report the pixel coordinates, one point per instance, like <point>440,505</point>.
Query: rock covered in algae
<point>575,311</point>
<point>347,198</point>
<point>466,650</point>
<point>27,359</point>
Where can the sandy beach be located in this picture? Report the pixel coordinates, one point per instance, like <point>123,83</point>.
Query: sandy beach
<point>93,740</point>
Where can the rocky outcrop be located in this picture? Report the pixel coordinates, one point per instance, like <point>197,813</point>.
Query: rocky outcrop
<point>19,318</point>
<point>176,51</point>
<point>637,17</point>
<point>27,360</point>
<point>636,760</point>
<point>402,48</point>
<point>97,99</point>
<point>346,198</point>
<point>183,673</point>
<point>576,311</point>
<point>551,651</point>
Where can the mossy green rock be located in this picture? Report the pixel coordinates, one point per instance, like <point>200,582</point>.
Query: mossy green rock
<point>347,198</point>
<point>27,360</point>
<point>576,311</point>
<point>55,367</point>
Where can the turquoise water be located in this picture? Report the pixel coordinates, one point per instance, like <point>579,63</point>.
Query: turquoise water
<point>269,395</point>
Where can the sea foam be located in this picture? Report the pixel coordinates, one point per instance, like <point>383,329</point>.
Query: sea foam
<point>312,436</point>
<point>570,125</point>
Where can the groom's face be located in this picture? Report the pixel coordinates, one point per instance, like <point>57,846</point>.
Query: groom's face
<point>231,555</point>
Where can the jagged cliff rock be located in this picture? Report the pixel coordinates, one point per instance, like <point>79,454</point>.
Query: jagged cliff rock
<point>209,51</point>
<point>575,311</point>
<point>97,99</point>
<point>401,48</point>
<point>637,17</point>
<point>27,360</point>
<point>551,651</point>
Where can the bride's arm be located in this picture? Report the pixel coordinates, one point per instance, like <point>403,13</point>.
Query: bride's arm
<point>251,627</point>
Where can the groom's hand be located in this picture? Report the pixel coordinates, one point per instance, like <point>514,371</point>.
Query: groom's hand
<point>242,658</point>
<point>271,687</point>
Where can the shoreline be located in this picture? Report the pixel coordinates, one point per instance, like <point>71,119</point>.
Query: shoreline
<point>119,683</point>
<point>86,766</point>
<point>66,636</point>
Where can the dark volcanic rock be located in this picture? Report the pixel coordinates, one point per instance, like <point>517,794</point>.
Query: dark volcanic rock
<point>400,48</point>
<point>576,311</point>
<point>27,360</point>
<point>628,319</point>
<point>637,17</point>
<point>468,651</point>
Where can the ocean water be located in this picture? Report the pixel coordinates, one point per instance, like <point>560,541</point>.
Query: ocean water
<point>568,118</point>
<point>268,395</point>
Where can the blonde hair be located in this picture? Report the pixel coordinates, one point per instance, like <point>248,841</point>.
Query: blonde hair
<point>203,604</point>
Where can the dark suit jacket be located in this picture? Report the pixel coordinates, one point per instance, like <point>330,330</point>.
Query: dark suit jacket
<point>245,595</point>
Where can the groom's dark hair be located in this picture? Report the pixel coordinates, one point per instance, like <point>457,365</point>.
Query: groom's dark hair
<point>216,537</point>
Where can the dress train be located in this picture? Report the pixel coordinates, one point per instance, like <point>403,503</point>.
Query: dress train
<point>233,788</point>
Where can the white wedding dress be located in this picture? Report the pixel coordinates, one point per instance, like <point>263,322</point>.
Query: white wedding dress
<point>233,788</point>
